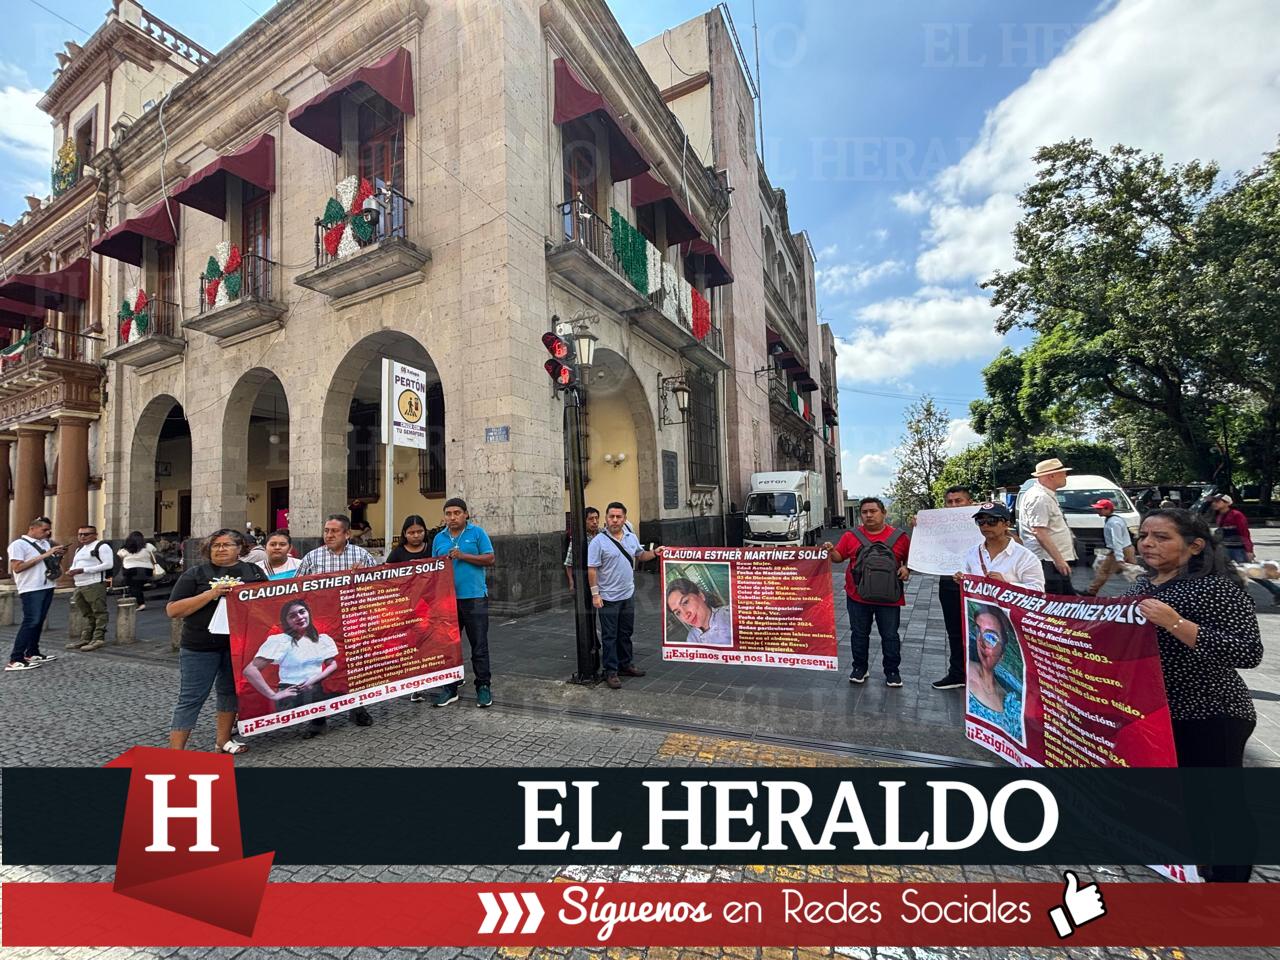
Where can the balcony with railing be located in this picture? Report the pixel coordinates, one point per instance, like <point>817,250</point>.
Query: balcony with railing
<point>583,256</point>
<point>665,318</point>
<point>234,310</point>
<point>779,310</point>
<point>151,343</point>
<point>348,267</point>
<point>48,371</point>
<point>784,400</point>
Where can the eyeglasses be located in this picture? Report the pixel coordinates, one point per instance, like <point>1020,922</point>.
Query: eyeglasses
<point>989,637</point>
<point>85,533</point>
<point>987,521</point>
<point>224,546</point>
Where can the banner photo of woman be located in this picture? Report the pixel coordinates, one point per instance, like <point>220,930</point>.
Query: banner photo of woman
<point>315,646</point>
<point>757,607</point>
<point>1063,681</point>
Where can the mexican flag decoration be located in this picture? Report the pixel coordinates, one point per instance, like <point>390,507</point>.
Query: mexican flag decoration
<point>134,316</point>
<point>222,276</point>
<point>345,231</point>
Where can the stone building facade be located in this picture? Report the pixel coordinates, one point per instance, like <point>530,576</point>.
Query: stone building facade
<point>781,404</point>
<point>524,172</point>
<point>52,290</point>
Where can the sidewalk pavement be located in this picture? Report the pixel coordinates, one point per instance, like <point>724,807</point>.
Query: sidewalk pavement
<point>534,656</point>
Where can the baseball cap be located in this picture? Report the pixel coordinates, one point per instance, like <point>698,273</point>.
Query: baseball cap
<point>997,510</point>
<point>1103,504</point>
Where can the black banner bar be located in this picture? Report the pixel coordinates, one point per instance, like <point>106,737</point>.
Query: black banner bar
<point>341,815</point>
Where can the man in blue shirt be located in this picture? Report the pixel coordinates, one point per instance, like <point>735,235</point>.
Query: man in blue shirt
<point>611,571</point>
<point>471,550</point>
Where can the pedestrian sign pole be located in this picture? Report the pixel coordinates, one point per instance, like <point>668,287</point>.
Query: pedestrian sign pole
<point>404,424</point>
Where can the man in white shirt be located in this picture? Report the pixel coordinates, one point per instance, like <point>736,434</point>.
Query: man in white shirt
<point>999,556</point>
<point>27,556</point>
<point>90,570</point>
<point>1043,528</point>
<point>1115,534</point>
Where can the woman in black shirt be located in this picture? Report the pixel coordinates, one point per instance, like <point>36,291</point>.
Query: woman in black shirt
<point>413,541</point>
<point>1207,630</point>
<point>204,661</point>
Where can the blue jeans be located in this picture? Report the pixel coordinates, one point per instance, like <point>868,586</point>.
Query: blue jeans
<point>201,671</point>
<point>35,607</point>
<point>617,621</point>
<point>473,620</point>
<point>886,617</point>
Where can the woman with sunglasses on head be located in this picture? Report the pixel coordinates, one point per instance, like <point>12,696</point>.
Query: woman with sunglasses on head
<point>204,660</point>
<point>999,556</point>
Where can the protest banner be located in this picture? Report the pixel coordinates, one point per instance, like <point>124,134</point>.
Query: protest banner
<point>1063,681</point>
<point>761,607</point>
<point>316,646</point>
<point>941,538</point>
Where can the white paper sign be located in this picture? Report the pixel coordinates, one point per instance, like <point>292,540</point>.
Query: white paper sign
<point>218,622</point>
<point>405,405</point>
<point>941,539</point>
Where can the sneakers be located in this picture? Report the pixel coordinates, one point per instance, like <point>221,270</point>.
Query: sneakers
<point>630,670</point>
<point>361,718</point>
<point>950,682</point>
<point>418,696</point>
<point>313,728</point>
<point>20,665</point>
<point>612,682</point>
<point>893,679</point>
<point>446,696</point>
<point>41,658</point>
<point>484,697</point>
<point>94,645</point>
<point>857,677</point>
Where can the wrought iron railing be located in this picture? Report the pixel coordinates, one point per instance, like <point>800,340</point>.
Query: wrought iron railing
<point>583,226</point>
<point>258,277</point>
<point>391,220</point>
<point>52,344</point>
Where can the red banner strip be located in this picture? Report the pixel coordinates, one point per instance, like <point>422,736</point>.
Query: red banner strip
<point>654,914</point>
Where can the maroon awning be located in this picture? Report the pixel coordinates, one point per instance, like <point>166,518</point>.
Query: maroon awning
<point>320,118</point>
<point>52,291</point>
<point>124,241</point>
<point>645,188</point>
<point>575,99</point>
<point>206,190</point>
<point>705,258</point>
<point>17,315</point>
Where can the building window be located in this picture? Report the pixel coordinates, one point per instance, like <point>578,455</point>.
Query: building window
<point>381,147</point>
<point>579,158</point>
<point>85,141</point>
<point>704,460</point>
<point>255,218</point>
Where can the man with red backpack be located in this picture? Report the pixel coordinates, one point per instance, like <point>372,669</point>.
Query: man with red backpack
<point>874,579</point>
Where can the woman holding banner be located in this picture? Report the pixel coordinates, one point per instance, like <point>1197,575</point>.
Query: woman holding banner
<point>279,565</point>
<point>304,655</point>
<point>204,660</point>
<point>999,556</point>
<point>1207,630</point>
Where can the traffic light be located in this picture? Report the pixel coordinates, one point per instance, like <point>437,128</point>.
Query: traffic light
<point>560,367</point>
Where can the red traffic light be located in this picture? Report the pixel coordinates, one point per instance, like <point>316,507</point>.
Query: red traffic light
<point>562,374</point>
<point>558,347</point>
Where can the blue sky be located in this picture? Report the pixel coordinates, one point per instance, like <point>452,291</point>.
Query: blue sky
<point>902,133</point>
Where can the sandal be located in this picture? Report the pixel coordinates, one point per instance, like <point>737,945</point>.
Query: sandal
<point>233,747</point>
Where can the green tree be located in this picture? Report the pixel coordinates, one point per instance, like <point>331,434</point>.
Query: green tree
<point>922,454</point>
<point>1014,463</point>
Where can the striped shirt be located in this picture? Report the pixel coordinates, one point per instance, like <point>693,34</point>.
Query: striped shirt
<point>324,560</point>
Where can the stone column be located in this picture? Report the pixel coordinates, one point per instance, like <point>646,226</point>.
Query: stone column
<point>71,508</point>
<point>28,486</point>
<point>6,445</point>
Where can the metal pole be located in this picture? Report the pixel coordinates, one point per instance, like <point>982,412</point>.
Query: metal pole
<point>389,457</point>
<point>583,613</point>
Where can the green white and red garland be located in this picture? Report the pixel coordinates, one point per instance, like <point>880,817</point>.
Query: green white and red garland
<point>345,230</point>
<point>134,317</point>
<point>223,279</point>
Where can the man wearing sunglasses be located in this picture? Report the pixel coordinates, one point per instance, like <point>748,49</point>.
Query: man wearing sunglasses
<point>998,557</point>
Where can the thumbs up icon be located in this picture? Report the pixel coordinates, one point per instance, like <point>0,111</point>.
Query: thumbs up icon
<point>1080,905</point>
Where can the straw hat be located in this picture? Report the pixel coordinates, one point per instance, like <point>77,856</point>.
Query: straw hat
<point>1050,466</point>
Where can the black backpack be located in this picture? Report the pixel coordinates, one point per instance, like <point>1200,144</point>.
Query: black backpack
<point>875,569</point>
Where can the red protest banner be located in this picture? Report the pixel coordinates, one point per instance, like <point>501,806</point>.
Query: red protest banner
<point>1063,681</point>
<point>760,607</point>
<point>314,646</point>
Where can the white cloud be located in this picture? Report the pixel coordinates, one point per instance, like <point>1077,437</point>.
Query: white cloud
<point>913,201</point>
<point>934,327</point>
<point>961,436</point>
<point>827,252</point>
<point>866,475</point>
<point>25,136</point>
<point>844,278</point>
<point>968,242</point>
<point>880,235</point>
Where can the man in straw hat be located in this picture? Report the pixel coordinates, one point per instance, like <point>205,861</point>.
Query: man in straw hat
<point>1044,530</point>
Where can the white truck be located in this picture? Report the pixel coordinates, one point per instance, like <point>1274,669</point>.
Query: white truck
<point>784,507</point>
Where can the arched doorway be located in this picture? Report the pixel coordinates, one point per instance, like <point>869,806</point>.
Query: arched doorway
<point>160,471</point>
<point>255,453</point>
<point>352,462</point>
<point>619,444</point>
